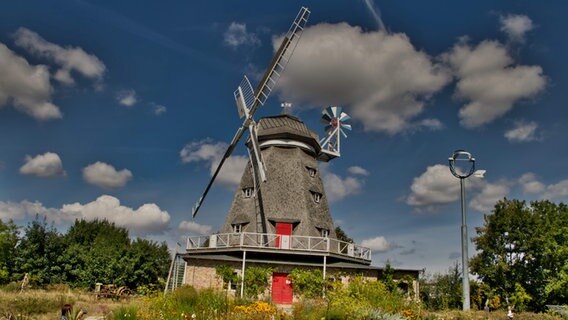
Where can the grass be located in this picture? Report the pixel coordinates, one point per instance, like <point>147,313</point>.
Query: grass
<point>215,305</point>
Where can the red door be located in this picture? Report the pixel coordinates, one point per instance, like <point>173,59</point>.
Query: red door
<point>283,229</point>
<point>282,292</point>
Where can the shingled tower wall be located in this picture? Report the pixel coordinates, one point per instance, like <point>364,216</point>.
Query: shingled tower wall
<point>290,193</point>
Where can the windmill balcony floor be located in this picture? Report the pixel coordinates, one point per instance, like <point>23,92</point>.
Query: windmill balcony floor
<point>278,243</point>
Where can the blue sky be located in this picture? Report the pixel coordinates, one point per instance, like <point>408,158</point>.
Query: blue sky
<point>120,110</point>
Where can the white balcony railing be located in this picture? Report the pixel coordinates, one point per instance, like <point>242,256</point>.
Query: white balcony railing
<point>281,242</point>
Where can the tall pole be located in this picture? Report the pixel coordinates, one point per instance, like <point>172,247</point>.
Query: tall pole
<point>465,256</point>
<point>465,158</point>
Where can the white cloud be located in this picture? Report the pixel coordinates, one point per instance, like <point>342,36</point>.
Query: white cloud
<point>68,58</point>
<point>432,124</point>
<point>338,188</point>
<point>489,195</point>
<point>211,152</point>
<point>522,132</point>
<point>378,244</point>
<point>557,190</point>
<point>146,219</point>
<point>530,184</point>
<point>20,210</point>
<point>436,186</point>
<point>237,35</point>
<point>106,176</point>
<point>159,109</point>
<point>515,26</point>
<point>358,170</point>
<point>127,98</point>
<point>382,80</point>
<point>193,227</point>
<point>489,82</point>
<point>43,165</point>
<point>26,87</point>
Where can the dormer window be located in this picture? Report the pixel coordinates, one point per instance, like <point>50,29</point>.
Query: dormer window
<point>311,171</point>
<point>238,228</point>
<point>248,192</point>
<point>316,196</point>
<point>324,233</point>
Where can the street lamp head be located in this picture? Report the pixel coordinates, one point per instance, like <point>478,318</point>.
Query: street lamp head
<point>465,162</point>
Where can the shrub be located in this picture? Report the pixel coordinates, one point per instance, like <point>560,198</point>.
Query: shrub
<point>307,283</point>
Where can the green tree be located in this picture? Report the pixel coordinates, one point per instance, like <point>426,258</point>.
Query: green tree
<point>342,236</point>
<point>8,242</point>
<point>38,254</point>
<point>444,291</point>
<point>147,263</point>
<point>523,252</point>
<point>387,278</point>
<point>100,251</point>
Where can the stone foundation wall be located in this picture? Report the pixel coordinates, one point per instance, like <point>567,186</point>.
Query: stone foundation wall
<point>201,274</point>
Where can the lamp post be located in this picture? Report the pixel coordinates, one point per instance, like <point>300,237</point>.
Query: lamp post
<point>466,160</point>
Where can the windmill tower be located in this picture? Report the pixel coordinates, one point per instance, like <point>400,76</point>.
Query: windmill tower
<point>279,215</point>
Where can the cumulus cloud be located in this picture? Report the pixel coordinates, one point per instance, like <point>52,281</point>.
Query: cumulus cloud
<point>159,109</point>
<point>337,187</point>
<point>127,98</point>
<point>68,58</point>
<point>193,227</point>
<point>522,132</point>
<point>530,184</point>
<point>43,165</point>
<point>489,195</point>
<point>557,190</point>
<point>516,26</point>
<point>211,153</point>
<point>106,176</point>
<point>358,170</point>
<point>237,35</point>
<point>436,186</point>
<point>146,219</point>
<point>489,81</point>
<point>378,244</point>
<point>381,79</point>
<point>26,87</point>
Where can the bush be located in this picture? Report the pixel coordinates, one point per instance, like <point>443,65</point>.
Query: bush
<point>129,312</point>
<point>308,283</point>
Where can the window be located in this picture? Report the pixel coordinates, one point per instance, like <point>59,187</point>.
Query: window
<point>234,285</point>
<point>248,192</point>
<point>316,196</point>
<point>324,233</point>
<point>311,171</point>
<point>237,228</point>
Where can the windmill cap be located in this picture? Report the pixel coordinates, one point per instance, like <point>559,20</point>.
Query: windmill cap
<point>287,127</point>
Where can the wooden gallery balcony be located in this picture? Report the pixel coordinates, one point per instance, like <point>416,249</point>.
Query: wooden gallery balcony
<point>278,244</point>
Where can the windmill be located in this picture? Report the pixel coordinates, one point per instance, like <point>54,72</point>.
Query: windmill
<point>336,123</point>
<point>249,100</point>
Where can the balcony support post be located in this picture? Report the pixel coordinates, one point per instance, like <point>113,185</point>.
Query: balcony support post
<point>243,273</point>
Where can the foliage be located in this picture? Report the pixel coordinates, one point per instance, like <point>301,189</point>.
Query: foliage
<point>37,254</point>
<point>8,242</point>
<point>368,299</point>
<point>90,252</point>
<point>227,274</point>
<point>444,291</point>
<point>307,283</point>
<point>522,253</point>
<point>256,281</point>
<point>388,277</point>
<point>256,310</point>
<point>342,236</point>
